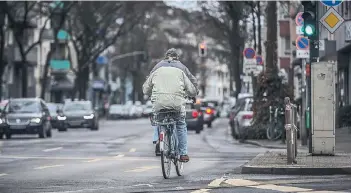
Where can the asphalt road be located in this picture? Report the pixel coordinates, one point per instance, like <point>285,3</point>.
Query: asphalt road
<point>120,158</point>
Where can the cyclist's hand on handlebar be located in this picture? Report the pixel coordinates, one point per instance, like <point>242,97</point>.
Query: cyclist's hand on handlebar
<point>193,99</point>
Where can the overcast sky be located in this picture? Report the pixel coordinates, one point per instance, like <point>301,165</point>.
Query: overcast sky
<point>190,4</point>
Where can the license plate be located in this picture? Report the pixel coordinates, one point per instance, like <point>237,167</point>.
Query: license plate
<point>75,123</point>
<point>18,127</point>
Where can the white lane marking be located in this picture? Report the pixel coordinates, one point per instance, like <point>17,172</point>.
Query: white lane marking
<point>201,191</point>
<point>52,149</point>
<point>149,185</point>
<point>3,174</point>
<point>132,150</point>
<point>93,160</point>
<point>143,169</point>
<point>216,182</point>
<point>119,156</point>
<point>280,188</point>
<point>49,166</point>
<point>269,186</point>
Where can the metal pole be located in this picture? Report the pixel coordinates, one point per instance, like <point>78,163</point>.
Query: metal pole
<point>303,131</point>
<point>289,127</point>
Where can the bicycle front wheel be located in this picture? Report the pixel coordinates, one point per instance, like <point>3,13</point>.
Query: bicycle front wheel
<point>166,161</point>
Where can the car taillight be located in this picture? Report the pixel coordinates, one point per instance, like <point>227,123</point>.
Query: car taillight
<point>209,111</point>
<point>247,116</point>
<point>195,114</point>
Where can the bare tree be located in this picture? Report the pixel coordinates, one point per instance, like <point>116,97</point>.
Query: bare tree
<point>226,17</point>
<point>62,12</point>
<point>22,17</point>
<point>2,45</point>
<point>94,26</point>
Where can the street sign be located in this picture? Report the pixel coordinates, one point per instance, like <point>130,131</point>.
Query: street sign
<point>299,19</point>
<point>302,43</point>
<point>259,60</point>
<point>331,3</point>
<point>302,54</point>
<point>101,60</point>
<point>249,65</point>
<point>331,20</point>
<point>249,53</point>
<point>322,45</point>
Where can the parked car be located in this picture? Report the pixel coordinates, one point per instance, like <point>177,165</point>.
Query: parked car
<point>26,116</point>
<point>134,112</point>
<point>3,103</point>
<point>77,114</point>
<point>53,107</point>
<point>243,119</point>
<point>147,110</point>
<point>194,118</point>
<point>240,104</point>
<point>117,112</point>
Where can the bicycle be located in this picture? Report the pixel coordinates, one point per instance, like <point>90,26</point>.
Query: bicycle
<point>275,131</point>
<point>168,141</point>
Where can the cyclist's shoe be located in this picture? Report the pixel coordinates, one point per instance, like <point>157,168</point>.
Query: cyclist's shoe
<point>157,150</point>
<point>184,158</point>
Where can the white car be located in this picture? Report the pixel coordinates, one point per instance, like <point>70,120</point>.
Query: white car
<point>117,112</point>
<point>147,110</point>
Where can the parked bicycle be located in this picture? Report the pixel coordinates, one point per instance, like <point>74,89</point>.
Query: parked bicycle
<point>166,122</point>
<point>276,127</point>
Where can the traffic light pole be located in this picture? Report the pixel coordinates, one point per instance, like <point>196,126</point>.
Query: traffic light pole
<point>314,57</point>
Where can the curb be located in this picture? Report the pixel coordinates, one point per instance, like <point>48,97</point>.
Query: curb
<point>261,145</point>
<point>246,169</point>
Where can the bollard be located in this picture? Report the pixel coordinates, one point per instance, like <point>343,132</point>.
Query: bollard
<point>290,131</point>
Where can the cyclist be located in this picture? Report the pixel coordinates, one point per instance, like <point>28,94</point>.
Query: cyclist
<point>168,85</point>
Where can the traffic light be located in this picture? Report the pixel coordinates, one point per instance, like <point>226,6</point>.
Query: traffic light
<point>202,50</point>
<point>310,19</point>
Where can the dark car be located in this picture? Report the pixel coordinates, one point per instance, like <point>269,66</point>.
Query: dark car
<point>53,107</point>
<point>194,119</point>
<point>215,105</point>
<point>209,113</point>
<point>77,114</point>
<point>26,116</point>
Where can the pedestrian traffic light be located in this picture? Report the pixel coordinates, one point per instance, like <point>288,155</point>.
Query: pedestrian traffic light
<point>202,50</point>
<point>309,18</point>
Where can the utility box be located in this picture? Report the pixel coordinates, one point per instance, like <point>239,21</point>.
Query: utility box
<point>323,79</point>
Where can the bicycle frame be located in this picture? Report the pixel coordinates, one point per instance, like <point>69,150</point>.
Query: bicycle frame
<point>170,129</point>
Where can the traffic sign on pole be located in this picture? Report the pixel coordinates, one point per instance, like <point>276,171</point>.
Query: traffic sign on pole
<point>299,19</point>
<point>259,60</point>
<point>101,60</point>
<point>302,43</point>
<point>249,53</point>
<point>331,3</point>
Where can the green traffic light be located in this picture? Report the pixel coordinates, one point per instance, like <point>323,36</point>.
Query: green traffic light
<point>309,30</point>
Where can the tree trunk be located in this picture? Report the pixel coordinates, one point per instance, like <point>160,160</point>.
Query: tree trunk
<point>254,24</point>
<point>24,79</point>
<point>258,16</point>
<point>44,78</point>
<point>2,47</point>
<point>271,44</point>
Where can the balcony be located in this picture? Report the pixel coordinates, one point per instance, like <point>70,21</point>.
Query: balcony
<point>284,28</point>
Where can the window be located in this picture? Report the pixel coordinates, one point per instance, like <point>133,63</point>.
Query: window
<point>287,43</point>
<point>60,52</point>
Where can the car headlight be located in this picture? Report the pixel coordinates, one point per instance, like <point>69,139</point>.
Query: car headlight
<point>89,116</point>
<point>61,118</point>
<point>35,120</point>
<point>1,121</point>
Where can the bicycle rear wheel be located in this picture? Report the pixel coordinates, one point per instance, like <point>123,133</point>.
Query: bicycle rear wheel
<point>166,161</point>
<point>179,166</point>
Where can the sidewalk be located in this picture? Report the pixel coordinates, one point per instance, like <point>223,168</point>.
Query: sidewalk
<point>342,142</point>
<point>276,162</point>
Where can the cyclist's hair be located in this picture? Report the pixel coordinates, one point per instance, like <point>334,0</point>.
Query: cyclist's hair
<point>172,54</point>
